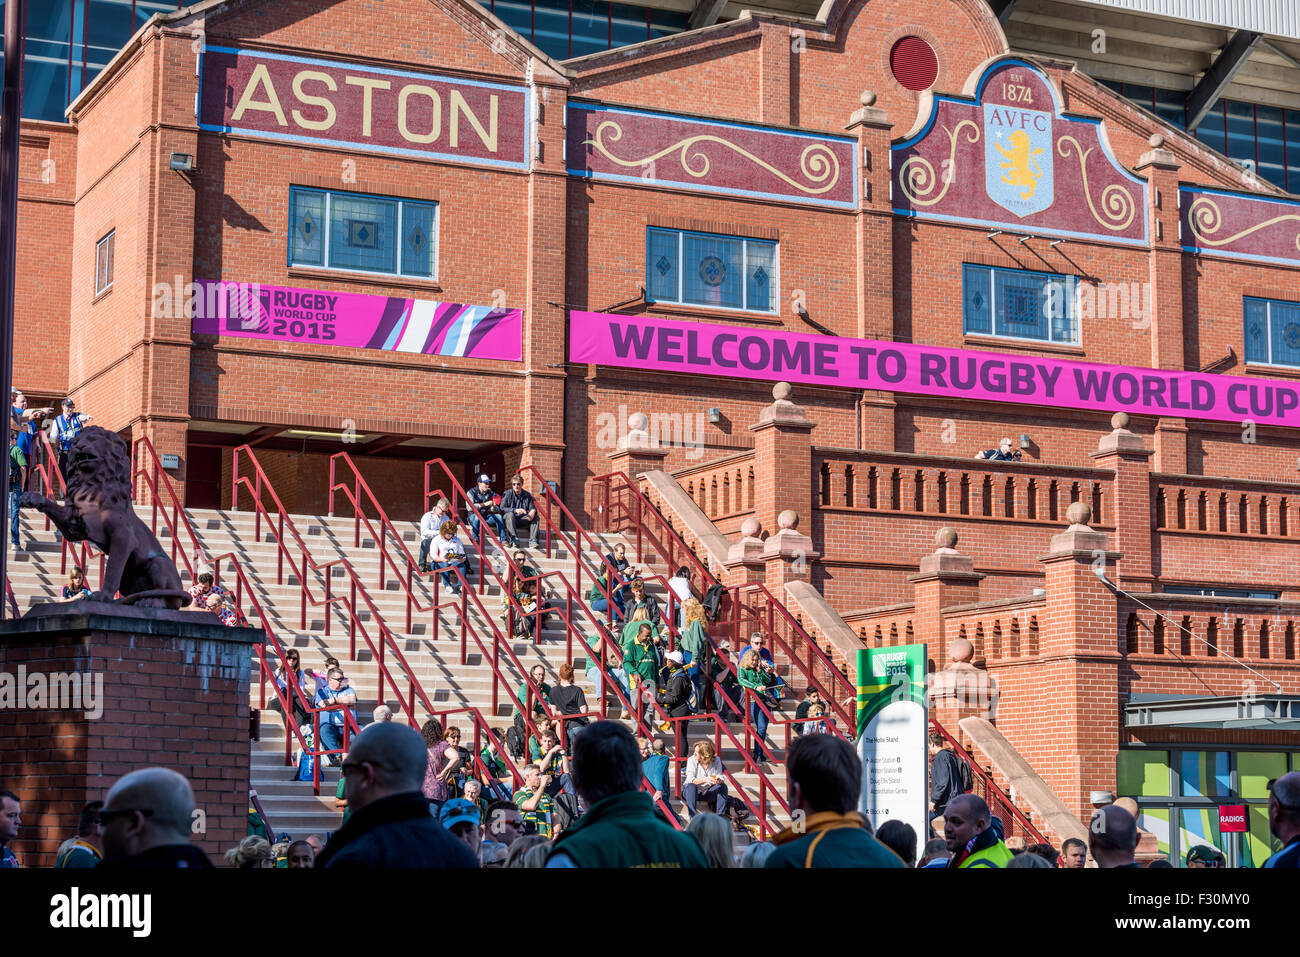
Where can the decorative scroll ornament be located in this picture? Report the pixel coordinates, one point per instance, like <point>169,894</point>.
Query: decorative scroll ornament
<point>1117,206</point>
<point>917,177</point>
<point>1206,220</point>
<point>818,163</point>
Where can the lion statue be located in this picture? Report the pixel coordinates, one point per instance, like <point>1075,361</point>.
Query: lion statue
<point>98,509</point>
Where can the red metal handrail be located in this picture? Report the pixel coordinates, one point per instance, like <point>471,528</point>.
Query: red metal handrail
<point>357,496</point>
<point>386,639</point>
<point>766,612</point>
<point>158,483</point>
<point>997,799</point>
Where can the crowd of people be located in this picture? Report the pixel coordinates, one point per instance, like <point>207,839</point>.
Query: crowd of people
<point>144,821</point>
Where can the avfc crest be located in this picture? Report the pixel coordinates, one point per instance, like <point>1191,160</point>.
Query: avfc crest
<point>1018,158</point>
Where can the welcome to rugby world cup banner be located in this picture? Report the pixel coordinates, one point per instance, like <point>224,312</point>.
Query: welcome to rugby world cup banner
<point>668,345</point>
<point>387,323</point>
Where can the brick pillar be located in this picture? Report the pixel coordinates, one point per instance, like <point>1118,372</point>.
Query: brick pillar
<point>960,691</point>
<point>945,578</point>
<point>166,690</point>
<point>788,554</point>
<point>1164,300</point>
<point>875,257</point>
<point>1072,742</point>
<point>782,458</point>
<point>745,563</point>
<point>636,453</point>
<point>544,319</point>
<point>774,73</point>
<point>167,220</point>
<point>1130,506</point>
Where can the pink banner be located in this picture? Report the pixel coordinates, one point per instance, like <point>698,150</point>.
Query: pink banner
<point>324,317</point>
<point>666,345</point>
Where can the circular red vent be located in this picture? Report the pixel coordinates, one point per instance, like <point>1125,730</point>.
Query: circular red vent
<point>914,63</point>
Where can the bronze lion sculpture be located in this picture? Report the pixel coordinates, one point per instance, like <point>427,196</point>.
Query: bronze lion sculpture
<point>98,509</point>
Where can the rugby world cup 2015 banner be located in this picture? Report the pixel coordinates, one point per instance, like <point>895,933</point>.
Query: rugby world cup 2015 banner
<point>666,345</point>
<point>389,323</point>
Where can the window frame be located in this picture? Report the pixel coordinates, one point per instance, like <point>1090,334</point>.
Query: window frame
<point>1268,330</point>
<point>1176,802</point>
<point>326,226</point>
<point>744,241</point>
<point>104,255</point>
<point>1071,301</point>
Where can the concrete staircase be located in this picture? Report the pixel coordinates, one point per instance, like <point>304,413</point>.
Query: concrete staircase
<point>290,805</point>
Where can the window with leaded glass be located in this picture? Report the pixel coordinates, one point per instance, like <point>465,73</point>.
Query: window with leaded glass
<point>1019,304</point>
<point>1272,332</point>
<point>705,269</point>
<point>362,233</point>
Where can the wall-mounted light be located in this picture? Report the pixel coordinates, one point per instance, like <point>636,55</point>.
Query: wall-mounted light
<point>182,162</point>
<point>715,416</point>
<point>1024,440</point>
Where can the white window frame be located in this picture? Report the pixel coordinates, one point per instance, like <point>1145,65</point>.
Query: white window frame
<point>1071,300</point>
<point>1268,330</point>
<point>104,250</point>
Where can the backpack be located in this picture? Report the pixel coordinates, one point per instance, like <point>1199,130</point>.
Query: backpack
<point>565,811</point>
<point>514,740</point>
<point>967,782</point>
<point>712,601</point>
<point>304,767</point>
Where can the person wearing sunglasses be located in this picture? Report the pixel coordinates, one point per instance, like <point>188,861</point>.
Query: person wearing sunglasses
<point>391,824</point>
<point>335,690</point>
<point>1284,819</point>
<point>146,822</point>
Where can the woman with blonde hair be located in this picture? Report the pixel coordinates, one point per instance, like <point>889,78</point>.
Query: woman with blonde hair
<point>714,834</point>
<point>704,780</point>
<point>756,680</point>
<point>251,852</point>
<point>449,553</point>
<point>76,586</point>
<point>695,645</point>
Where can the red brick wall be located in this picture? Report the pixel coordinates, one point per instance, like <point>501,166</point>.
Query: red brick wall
<point>168,700</point>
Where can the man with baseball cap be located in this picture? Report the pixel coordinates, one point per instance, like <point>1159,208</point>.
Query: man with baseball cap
<point>1204,855</point>
<point>66,428</point>
<point>482,498</point>
<point>460,816</point>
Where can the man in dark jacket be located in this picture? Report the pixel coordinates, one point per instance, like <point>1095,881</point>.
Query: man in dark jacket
<point>391,824</point>
<point>482,497</point>
<point>826,781</point>
<point>945,776</point>
<point>146,821</point>
<point>621,827</point>
<point>677,698</point>
<point>520,513</point>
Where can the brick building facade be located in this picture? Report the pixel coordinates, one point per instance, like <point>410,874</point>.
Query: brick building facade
<point>286,104</point>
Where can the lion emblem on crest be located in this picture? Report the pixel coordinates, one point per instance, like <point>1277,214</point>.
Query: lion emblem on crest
<point>98,509</point>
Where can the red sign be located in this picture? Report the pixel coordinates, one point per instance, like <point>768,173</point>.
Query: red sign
<point>345,104</point>
<point>1232,818</point>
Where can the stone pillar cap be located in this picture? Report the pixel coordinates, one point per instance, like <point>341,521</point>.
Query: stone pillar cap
<point>782,411</point>
<point>1121,439</point>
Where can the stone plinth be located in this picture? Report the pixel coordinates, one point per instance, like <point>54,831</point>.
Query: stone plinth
<point>152,688</point>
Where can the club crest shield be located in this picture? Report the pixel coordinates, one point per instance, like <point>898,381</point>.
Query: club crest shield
<point>1018,158</point>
